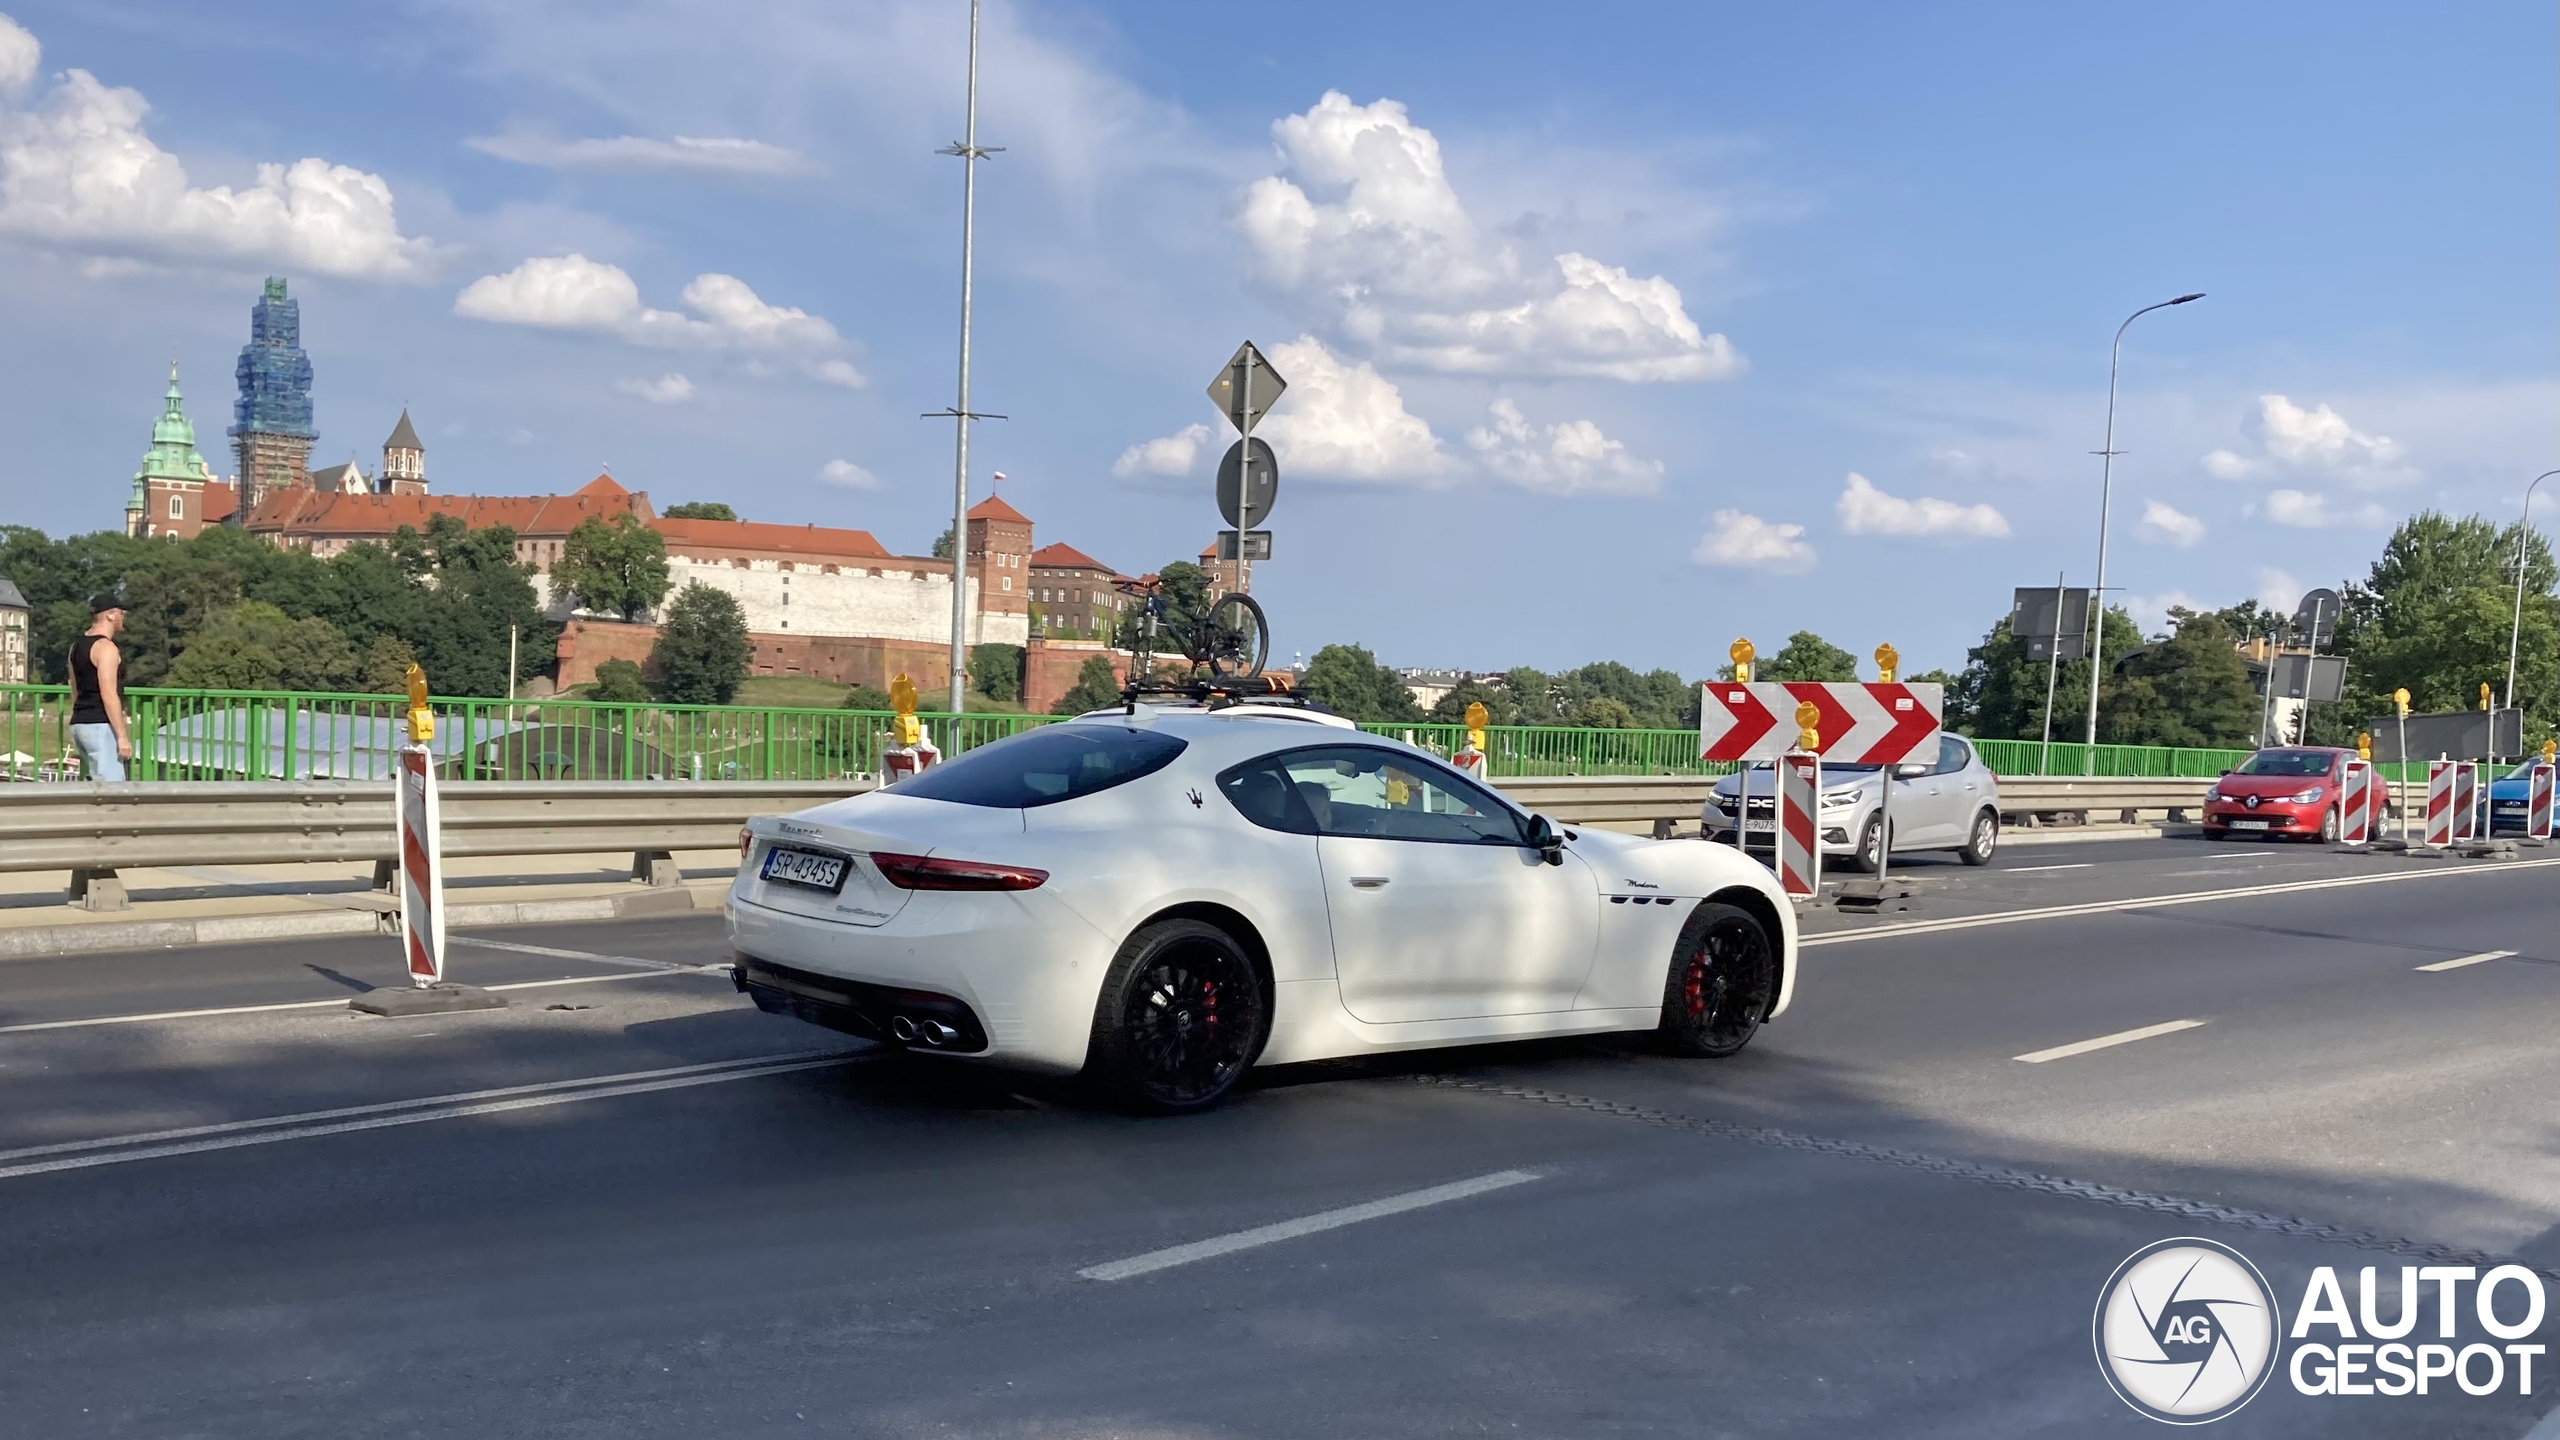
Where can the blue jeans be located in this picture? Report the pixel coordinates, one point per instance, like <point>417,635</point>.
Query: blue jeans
<point>98,746</point>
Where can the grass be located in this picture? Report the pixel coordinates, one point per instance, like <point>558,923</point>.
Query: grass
<point>797,692</point>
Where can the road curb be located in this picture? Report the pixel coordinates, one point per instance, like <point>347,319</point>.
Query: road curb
<point>49,941</point>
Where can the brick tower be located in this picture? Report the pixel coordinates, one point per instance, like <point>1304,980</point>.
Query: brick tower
<point>404,460</point>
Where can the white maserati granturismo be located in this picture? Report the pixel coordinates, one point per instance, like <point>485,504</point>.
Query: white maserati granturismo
<point>1163,899</point>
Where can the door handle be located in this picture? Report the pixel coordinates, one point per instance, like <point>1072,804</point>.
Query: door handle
<point>1368,882</point>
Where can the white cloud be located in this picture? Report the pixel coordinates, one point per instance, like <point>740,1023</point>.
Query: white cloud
<point>1571,457</point>
<point>2289,440</point>
<point>572,292</point>
<point>1174,454</point>
<point>2306,511</point>
<point>667,389</point>
<point>1348,422</point>
<point>77,171</point>
<point>19,53</point>
<point>2151,612</point>
<point>846,475</point>
<point>2278,590</point>
<point>1747,542</point>
<point>684,154</point>
<point>1865,510</point>
<point>1365,232</point>
<point>2165,524</point>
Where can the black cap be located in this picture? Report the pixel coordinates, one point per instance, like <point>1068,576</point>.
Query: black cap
<point>105,600</point>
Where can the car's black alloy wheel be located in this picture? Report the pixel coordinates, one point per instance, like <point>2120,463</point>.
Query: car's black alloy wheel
<point>1182,1015</point>
<point>1723,975</point>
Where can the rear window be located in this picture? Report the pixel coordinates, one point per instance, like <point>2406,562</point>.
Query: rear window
<point>1045,766</point>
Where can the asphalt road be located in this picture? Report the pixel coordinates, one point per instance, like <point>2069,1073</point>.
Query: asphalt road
<point>631,1206</point>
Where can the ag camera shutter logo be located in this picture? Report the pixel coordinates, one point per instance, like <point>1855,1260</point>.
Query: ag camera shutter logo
<point>2186,1331</point>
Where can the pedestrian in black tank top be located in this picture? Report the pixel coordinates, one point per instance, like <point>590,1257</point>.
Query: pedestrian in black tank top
<point>97,691</point>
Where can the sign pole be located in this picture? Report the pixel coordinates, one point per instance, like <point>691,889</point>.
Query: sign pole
<point>1886,658</point>
<point>418,842</point>
<point>2052,674</point>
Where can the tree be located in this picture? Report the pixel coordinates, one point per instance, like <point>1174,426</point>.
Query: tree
<point>1349,681</point>
<point>866,697</point>
<point>1096,688</point>
<point>385,668</point>
<point>618,565</point>
<point>1185,591</point>
<point>942,546</point>
<point>2434,615</point>
<point>1451,709</point>
<point>699,510</point>
<point>702,652</point>
<point>1808,656</point>
<point>995,671</point>
<point>255,646</point>
<point>1954,716</point>
<point>2002,691</point>
<point>619,682</point>
<point>2190,689</point>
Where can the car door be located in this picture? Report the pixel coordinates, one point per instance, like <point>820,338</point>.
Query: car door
<point>1942,801</point>
<point>1439,911</point>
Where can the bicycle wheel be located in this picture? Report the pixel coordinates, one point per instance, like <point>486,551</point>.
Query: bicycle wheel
<point>1233,639</point>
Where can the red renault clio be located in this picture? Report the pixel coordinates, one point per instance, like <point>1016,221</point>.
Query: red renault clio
<point>2291,790</point>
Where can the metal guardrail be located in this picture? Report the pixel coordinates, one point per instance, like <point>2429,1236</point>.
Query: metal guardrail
<point>93,830</point>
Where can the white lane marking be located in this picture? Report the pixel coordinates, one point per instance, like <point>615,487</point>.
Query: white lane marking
<point>308,1004</point>
<point>2189,897</point>
<point>2039,869</point>
<point>631,960</point>
<point>1166,1259</point>
<point>2103,1042</point>
<point>2483,958</point>
<point>232,1135</point>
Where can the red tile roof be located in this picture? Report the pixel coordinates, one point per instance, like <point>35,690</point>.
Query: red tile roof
<point>305,512</point>
<point>220,500</point>
<point>810,540</point>
<point>1062,556</point>
<point>994,508</point>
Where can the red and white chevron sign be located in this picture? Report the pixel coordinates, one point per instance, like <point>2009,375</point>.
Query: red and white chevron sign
<point>1862,724</point>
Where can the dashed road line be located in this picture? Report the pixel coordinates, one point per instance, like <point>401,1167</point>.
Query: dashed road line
<point>2483,958</point>
<point>338,1004</point>
<point>2105,1042</point>
<point>1322,1220</point>
<point>275,1129</point>
<point>522,949</point>
<point>2187,897</point>
<point>2040,869</point>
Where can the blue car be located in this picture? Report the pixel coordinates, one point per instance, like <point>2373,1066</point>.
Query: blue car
<point>2509,794</point>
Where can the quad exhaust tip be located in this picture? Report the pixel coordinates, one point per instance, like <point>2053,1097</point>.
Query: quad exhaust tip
<point>902,1027</point>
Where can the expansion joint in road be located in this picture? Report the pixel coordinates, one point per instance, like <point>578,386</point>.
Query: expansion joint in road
<point>1997,1176</point>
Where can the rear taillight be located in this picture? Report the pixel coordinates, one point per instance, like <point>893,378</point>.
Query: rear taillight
<point>922,872</point>
<point>746,842</point>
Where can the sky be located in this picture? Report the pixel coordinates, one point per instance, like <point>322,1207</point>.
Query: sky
<point>1612,331</point>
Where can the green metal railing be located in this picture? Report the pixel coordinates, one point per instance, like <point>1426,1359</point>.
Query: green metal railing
<point>264,735</point>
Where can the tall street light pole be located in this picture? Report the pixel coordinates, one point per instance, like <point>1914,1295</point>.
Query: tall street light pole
<point>2106,494</point>
<point>970,153</point>
<point>2515,631</point>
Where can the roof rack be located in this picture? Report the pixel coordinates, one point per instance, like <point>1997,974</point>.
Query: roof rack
<point>1218,691</point>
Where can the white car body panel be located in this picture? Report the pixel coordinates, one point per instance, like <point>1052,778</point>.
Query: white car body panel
<point>1473,943</point>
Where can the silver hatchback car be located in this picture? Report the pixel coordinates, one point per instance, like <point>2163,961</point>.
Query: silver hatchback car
<point>1951,805</point>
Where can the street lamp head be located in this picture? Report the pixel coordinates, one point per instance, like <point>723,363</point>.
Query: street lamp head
<point>2183,299</point>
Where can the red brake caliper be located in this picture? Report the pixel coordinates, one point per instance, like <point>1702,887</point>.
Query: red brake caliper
<point>1209,1006</point>
<point>1695,984</point>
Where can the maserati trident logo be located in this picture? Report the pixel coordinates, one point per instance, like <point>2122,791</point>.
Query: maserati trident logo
<point>2186,1331</point>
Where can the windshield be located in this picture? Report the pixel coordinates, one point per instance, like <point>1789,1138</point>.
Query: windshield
<point>1045,766</point>
<point>2287,762</point>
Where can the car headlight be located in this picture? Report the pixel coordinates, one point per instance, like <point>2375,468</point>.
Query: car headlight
<point>1834,799</point>
<point>2310,796</point>
<point>2213,792</point>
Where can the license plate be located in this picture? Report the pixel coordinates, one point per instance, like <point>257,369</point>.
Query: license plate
<point>1760,827</point>
<point>806,868</point>
<point>2248,824</point>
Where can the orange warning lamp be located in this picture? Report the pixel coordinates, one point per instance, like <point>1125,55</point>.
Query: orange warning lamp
<point>2484,694</point>
<point>2364,746</point>
<point>1477,718</point>
<point>1808,739</point>
<point>422,721</point>
<point>2401,699</point>
<point>1887,658</point>
<point>902,698</point>
<point>1741,654</point>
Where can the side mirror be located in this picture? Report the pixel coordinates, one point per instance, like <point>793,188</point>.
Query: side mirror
<point>1913,770</point>
<point>1543,838</point>
<point>2226,772</point>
